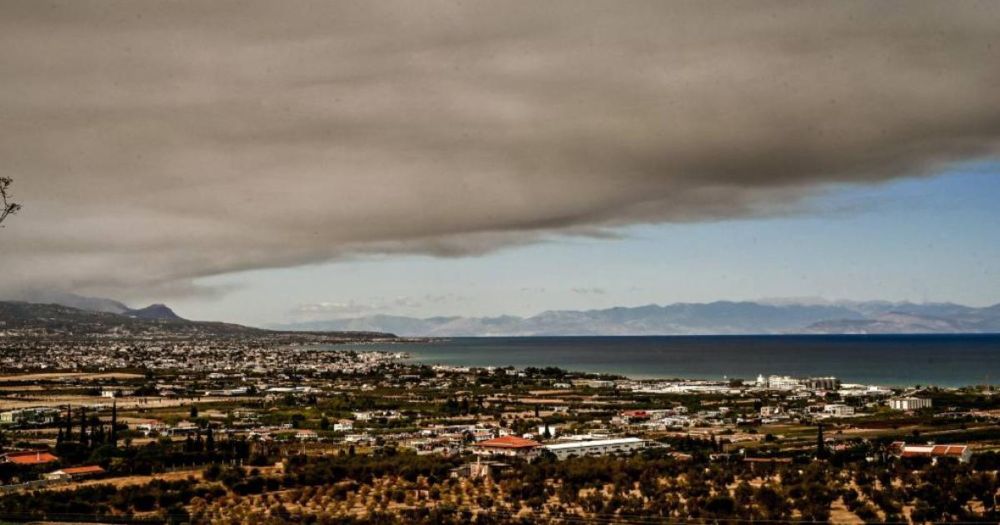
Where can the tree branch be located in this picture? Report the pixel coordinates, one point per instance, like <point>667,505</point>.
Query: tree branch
<point>6,206</point>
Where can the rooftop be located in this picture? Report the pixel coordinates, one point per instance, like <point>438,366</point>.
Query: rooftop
<point>30,457</point>
<point>595,443</point>
<point>508,442</point>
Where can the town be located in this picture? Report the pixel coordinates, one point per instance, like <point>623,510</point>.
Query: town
<point>250,428</point>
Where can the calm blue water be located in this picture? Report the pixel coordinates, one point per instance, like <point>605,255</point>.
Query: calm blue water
<point>945,360</point>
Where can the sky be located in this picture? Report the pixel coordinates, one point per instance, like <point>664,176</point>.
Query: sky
<point>262,163</point>
<point>934,239</point>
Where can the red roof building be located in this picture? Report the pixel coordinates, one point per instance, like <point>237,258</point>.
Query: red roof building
<point>29,457</point>
<point>635,415</point>
<point>962,453</point>
<point>75,472</point>
<point>508,446</point>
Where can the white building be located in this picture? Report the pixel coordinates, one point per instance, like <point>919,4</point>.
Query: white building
<point>373,415</point>
<point>601,447</point>
<point>838,410</point>
<point>770,411</point>
<point>909,403</point>
<point>150,426</point>
<point>112,393</point>
<point>29,416</point>
<point>778,382</point>
<point>783,383</point>
<point>552,430</point>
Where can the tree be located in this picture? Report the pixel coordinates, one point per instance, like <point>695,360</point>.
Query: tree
<point>83,426</point>
<point>821,451</point>
<point>114,424</point>
<point>69,423</point>
<point>7,206</point>
<point>209,440</point>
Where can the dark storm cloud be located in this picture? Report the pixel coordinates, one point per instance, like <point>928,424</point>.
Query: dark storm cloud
<point>154,143</point>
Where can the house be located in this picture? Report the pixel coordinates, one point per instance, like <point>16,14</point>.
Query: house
<point>770,411</point>
<point>479,469</point>
<point>633,416</point>
<point>838,410</point>
<point>306,435</point>
<point>29,457</point>
<point>150,426</point>
<point>29,416</point>
<point>375,415</point>
<point>72,473</point>
<point>508,446</point>
<point>112,393</point>
<point>183,428</point>
<point>961,453</point>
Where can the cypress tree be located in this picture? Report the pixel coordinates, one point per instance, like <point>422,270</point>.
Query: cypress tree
<point>69,423</point>
<point>209,441</point>
<point>113,438</point>
<point>83,426</point>
<point>821,452</point>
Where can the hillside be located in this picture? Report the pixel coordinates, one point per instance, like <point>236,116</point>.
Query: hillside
<point>21,318</point>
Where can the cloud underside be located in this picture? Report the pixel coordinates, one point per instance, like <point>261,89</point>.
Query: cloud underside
<point>156,143</point>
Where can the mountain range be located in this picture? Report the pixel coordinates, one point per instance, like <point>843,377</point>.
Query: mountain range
<point>716,318</point>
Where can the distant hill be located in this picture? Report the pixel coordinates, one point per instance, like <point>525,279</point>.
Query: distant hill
<point>717,318</point>
<point>91,304</point>
<point>153,311</point>
<point>53,319</point>
<point>95,304</point>
<point>916,319</point>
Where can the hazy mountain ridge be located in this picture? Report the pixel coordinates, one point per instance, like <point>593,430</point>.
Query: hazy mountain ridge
<point>23,318</point>
<point>16,315</point>
<point>96,304</point>
<point>716,318</point>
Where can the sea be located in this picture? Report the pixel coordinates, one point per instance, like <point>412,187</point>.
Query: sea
<point>889,360</point>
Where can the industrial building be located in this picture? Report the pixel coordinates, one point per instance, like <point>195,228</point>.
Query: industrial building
<point>909,403</point>
<point>600,447</point>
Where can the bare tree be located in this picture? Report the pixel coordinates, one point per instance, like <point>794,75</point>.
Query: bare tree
<point>7,207</point>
